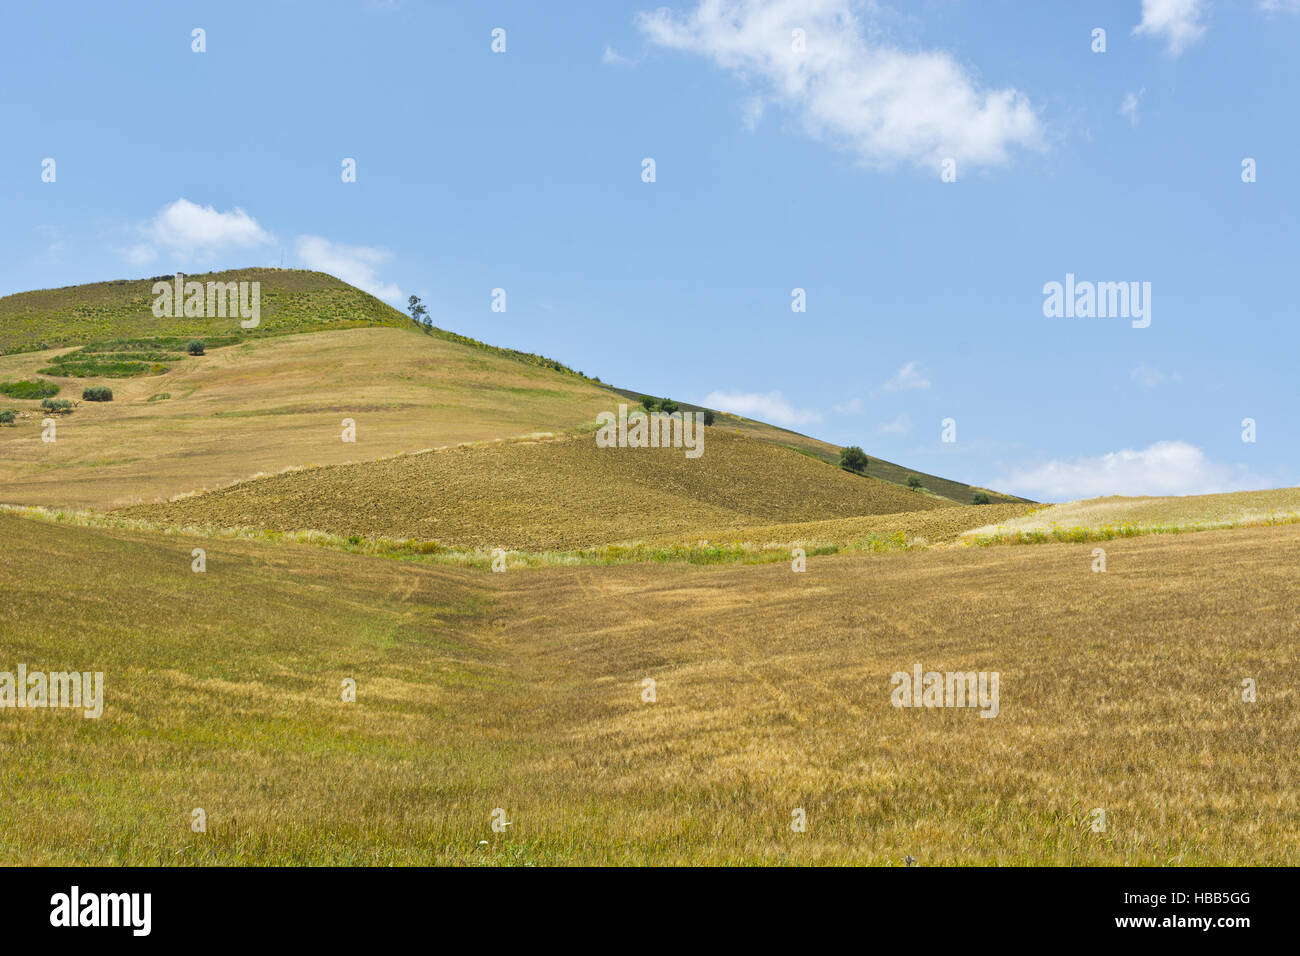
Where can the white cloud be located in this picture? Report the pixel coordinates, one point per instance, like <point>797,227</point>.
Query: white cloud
<point>1165,468</point>
<point>1280,6</point>
<point>189,231</point>
<point>852,407</point>
<point>886,105</point>
<point>906,377</point>
<point>1129,107</point>
<point>612,57</point>
<point>770,407</point>
<point>899,426</point>
<point>355,265</point>
<point>1177,22</point>
<point>1150,376</point>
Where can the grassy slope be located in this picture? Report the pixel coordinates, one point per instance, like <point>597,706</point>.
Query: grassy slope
<point>554,494</point>
<point>292,301</point>
<point>955,491</point>
<point>272,404</point>
<point>1117,515</point>
<point>523,691</point>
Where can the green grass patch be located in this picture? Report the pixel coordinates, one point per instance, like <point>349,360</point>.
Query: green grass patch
<point>93,368</point>
<point>29,389</point>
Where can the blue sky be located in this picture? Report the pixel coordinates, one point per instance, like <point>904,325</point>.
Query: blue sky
<point>775,169</point>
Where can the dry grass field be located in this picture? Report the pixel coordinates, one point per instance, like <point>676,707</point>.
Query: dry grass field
<point>556,494</point>
<point>523,691</point>
<point>1117,516</point>
<point>274,404</point>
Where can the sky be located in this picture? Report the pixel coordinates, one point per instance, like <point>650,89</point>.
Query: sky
<point>921,171</point>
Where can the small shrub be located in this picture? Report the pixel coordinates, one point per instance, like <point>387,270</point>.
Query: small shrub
<point>853,458</point>
<point>194,347</point>
<point>913,482</point>
<point>7,416</point>
<point>980,498</point>
<point>59,406</point>
<point>708,417</point>
<point>648,403</point>
<point>29,389</point>
<point>668,406</point>
<point>97,393</point>
<point>160,397</point>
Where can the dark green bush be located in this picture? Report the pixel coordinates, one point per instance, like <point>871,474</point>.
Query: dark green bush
<point>668,406</point>
<point>60,406</point>
<point>708,417</point>
<point>7,416</point>
<point>648,403</point>
<point>194,347</point>
<point>913,482</point>
<point>97,393</point>
<point>980,498</point>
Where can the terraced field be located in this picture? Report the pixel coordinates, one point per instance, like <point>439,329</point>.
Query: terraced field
<point>542,495</point>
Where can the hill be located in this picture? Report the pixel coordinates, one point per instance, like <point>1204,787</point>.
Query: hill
<point>539,495</point>
<point>274,397</point>
<point>292,301</point>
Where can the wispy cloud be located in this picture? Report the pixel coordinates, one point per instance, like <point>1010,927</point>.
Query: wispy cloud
<point>847,87</point>
<point>355,265</point>
<point>852,407</point>
<point>907,377</point>
<point>765,406</point>
<point>1177,22</point>
<point>899,426</point>
<point>1150,376</point>
<point>612,57</point>
<point>1129,107</point>
<point>1164,468</point>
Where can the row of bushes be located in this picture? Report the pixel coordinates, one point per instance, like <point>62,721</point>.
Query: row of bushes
<point>668,407</point>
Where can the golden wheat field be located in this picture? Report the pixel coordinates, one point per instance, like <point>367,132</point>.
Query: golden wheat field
<point>555,494</point>
<point>526,693</point>
<point>1117,515</point>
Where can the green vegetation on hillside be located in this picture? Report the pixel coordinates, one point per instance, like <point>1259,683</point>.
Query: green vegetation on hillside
<point>29,389</point>
<point>291,301</point>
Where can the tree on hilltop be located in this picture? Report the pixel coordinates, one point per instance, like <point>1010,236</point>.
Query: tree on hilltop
<point>419,314</point>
